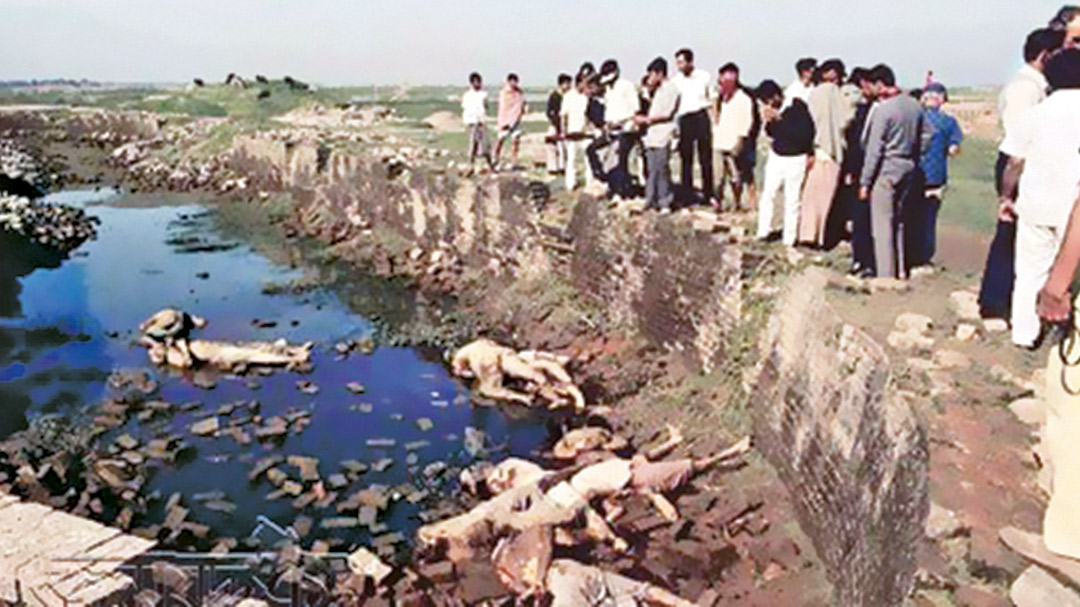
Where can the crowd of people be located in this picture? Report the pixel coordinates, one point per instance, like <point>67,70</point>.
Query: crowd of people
<point>851,156</point>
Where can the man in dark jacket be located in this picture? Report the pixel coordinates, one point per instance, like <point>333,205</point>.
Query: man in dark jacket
<point>556,146</point>
<point>792,133</point>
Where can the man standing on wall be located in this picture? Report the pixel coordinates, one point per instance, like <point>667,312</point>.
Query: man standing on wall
<point>733,140</point>
<point>1026,90</point>
<point>659,126</point>
<point>474,115</point>
<point>792,132</point>
<point>944,144</point>
<point>620,106</point>
<point>695,130</point>
<point>830,113</point>
<point>556,147</point>
<point>511,111</point>
<point>891,174</point>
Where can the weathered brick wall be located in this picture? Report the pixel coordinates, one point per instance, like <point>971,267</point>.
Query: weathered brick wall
<point>852,453</point>
<point>680,287</point>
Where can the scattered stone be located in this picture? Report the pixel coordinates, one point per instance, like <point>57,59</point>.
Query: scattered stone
<point>381,443</point>
<point>909,322</point>
<point>355,387</point>
<point>367,515</point>
<point>264,465</point>
<point>906,342</point>
<point>302,526</point>
<point>337,481</point>
<point>308,466</point>
<point>966,332</point>
<point>307,387</point>
<point>1037,588</point>
<point>205,427</point>
<point>354,467</point>
<point>412,459</point>
<point>995,325</point>
<point>275,426</point>
<point>292,488</point>
<point>950,359</point>
<point>943,523</point>
<point>127,442</point>
<point>424,424</point>
<point>1031,411</point>
<point>304,500</point>
<point>965,304</point>
<point>382,465</point>
<point>276,476</point>
<point>363,562</point>
<point>338,522</point>
<point>220,506</point>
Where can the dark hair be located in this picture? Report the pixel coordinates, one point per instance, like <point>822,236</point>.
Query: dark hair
<point>729,67</point>
<point>1041,41</point>
<point>834,64</point>
<point>658,65</point>
<point>883,74</point>
<point>685,53</point>
<point>473,77</point>
<point>1064,16</point>
<point>806,63</point>
<point>858,75</point>
<point>512,76</point>
<point>767,90</point>
<point>564,78</point>
<point>916,93</point>
<point>609,67</point>
<point>587,67</point>
<point>1063,69</point>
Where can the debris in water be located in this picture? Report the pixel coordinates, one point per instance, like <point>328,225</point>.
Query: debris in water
<point>475,441</point>
<point>307,387</point>
<point>355,387</point>
<point>381,443</point>
<point>220,506</point>
<point>382,465</point>
<point>424,424</point>
<point>205,427</point>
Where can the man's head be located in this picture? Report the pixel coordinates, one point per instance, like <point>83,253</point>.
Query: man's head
<point>1063,70</point>
<point>882,81</point>
<point>587,69</point>
<point>565,82</point>
<point>770,93</point>
<point>1040,43</point>
<point>592,85</point>
<point>512,80</point>
<point>609,72</point>
<point>934,95</point>
<point>805,69</point>
<point>729,72</point>
<point>476,81</point>
<point>684,60</point>
<point>1068,20</point>
<point>656,72</point>
<point>832,71</point>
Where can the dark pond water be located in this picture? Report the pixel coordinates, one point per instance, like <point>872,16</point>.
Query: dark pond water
<point>64,327</point>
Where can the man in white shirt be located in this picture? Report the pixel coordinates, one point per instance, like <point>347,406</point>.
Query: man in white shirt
<point>574,105</point>
<point>800,88</point>
<point>621,103</point>
<point>695,128</point>
<point>1044,157</point>
<point>1024,91</point>
<point>734,141</point>
<point>474,115</point>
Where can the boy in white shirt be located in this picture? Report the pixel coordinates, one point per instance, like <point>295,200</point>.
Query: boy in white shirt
<point>574,105</point>
<point>474,115</point>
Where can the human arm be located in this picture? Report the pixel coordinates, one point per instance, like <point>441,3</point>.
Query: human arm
<point>874,154</point>
<point>1010,185</point>
<point>1053,301</point>
<point>956,137</point>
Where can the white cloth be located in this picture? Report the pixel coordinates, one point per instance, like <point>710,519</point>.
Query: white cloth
<point>1036,247</point>
<point>1023,92</point>
<point>605,478</point>
<point>473,109</point>
<point>787,172</point>
<point>664,104</point>
<point>1047,138</point>
<point>796,90</point>
<point>620,102</point>
<point>574,106</point>
<point>695,90</point>
<point>734,122</point>
<point>576,149</point>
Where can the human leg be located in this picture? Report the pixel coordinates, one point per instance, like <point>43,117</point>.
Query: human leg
<point>767,203</point>
<point>686,154</point>
<point>573,149</point>
<point>1036,247</point>
<point>883,228</point>
<point>704,150</point>
<point>794,175</point>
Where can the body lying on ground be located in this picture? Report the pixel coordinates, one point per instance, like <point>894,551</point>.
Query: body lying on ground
<point>543,374</point>
<point>166,335</point>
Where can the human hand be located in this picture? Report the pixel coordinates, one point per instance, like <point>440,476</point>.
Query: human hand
<point>1053,304</point>
<point>864,193</point>
<point>1006,210</point>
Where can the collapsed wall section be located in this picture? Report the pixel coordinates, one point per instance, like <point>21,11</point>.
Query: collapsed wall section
<point>850,450</point>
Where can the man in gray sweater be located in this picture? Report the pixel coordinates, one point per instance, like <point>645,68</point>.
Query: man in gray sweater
<point>891,176</point>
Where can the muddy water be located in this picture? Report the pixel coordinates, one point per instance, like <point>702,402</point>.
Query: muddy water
<point>65,326</point>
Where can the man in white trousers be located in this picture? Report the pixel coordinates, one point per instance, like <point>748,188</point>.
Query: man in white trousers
<point>1044,156</point>
<point>790,155</point>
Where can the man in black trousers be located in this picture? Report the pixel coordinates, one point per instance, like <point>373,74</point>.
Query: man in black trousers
<point>695,127</point>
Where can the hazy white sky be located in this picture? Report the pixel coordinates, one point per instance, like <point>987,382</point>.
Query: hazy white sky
<point>440,41</point>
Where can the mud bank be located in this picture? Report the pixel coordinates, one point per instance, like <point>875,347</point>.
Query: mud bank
<point>663,319</point>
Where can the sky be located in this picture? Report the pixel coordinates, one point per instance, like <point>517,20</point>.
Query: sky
<point>337,42</point>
